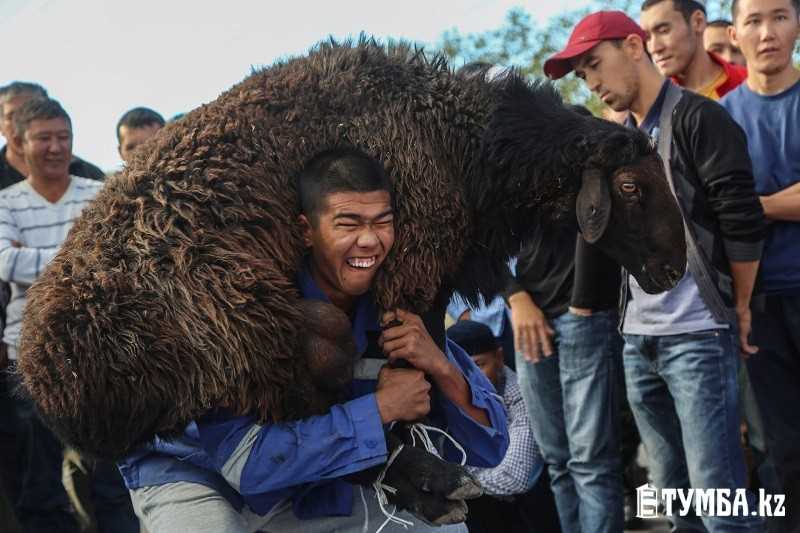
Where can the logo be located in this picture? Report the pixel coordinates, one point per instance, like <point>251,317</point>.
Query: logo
<point>707,502</point>
<point>646,501</point>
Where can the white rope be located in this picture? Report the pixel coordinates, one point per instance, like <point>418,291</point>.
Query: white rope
<point>380,492</point>
<point>366,511</point>
<point>420,430</point>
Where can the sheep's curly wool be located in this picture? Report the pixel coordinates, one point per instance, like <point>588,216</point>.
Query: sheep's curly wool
<point>174,292</point>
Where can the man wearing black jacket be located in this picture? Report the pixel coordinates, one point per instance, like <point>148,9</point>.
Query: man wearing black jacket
<point>563,300</point>
<point>681,353</point>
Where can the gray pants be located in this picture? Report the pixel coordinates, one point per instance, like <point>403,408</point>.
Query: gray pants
<point>184,507</point>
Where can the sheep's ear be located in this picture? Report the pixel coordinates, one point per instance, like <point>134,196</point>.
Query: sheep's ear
<point>593,206</point>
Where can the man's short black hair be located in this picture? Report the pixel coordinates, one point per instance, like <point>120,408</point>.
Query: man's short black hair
<point>139,117</point>
<point>338,170</point>
<point>17,88</point>
<point>685,7</point>
<point>720,23</point>
<point>38,109</point>
<point>735,6</point>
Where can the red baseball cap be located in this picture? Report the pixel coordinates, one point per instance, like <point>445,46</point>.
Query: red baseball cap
<point>591,31</point>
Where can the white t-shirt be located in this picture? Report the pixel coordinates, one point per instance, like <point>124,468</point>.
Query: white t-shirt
<point>40,226</point>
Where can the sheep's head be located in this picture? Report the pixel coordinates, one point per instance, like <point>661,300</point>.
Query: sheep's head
<point>629,212</point>
<point>543,163</point>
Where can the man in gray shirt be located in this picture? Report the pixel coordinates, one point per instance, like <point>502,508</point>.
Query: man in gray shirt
<point>682,347</point>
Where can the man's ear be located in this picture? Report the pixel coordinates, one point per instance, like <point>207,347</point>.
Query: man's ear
<point>698,23</point>
<point>635,46</point>
<point>16,141</point>
<point>732,36</point>
<point>306,225</point>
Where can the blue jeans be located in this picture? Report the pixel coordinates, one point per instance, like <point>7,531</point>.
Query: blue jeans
<point>573,402</point>
<point>684,395</point>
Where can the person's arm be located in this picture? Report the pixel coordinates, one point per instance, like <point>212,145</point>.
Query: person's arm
<point>523,462</point>
<point>258,459</point>
<point>783,205</point>
<point>19,263</point>
<point>724,166</point>
<point>485,444</point>
<point>411,342</point>
<point>261,458</point>
<point>473,413</point>
<point>744,279</point>
<point>532,332</point>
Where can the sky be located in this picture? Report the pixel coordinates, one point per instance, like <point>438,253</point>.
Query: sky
<point>100,58</point>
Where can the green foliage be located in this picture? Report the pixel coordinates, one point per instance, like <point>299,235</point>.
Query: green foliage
<point>522,43</point>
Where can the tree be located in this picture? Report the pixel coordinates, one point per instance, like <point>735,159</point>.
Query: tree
<point>522,43</point>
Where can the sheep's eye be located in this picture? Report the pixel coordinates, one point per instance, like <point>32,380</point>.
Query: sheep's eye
<point>629,188</point>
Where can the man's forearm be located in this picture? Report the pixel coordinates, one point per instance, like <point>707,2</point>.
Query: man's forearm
<point>784,205</point>
<point>789,191</point>
<point>452,383</point>
<point>744,279</point>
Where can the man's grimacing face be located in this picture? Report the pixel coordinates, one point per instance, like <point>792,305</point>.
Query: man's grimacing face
<point>349,240</point>
<point>766,32</point>
<point>610,73</point>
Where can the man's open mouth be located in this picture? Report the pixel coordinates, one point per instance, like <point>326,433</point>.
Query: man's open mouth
<point>362,262</point>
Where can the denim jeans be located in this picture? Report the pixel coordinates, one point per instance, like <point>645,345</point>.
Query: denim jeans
<point>573,402</point>
<point>684,395</point>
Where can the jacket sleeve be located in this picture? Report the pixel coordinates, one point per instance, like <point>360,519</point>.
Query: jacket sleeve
<point>485,445</point>
<point>19,264</point>
<point>256,459</point>
<point>719,149</point>
<point>522,464</point>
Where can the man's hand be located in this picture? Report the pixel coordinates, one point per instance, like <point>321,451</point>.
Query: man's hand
<point>745,321</point>
<point>402,394</point>
<point>531,330</point>
<point>411,341</point>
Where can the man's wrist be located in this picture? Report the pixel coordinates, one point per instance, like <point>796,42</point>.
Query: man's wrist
<point>441,369</point>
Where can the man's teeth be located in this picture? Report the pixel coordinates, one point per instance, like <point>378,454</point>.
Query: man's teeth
<point>361,262</point>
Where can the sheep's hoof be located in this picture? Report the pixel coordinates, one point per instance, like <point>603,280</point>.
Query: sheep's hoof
<point>457,513</point>
<point>467,488</point>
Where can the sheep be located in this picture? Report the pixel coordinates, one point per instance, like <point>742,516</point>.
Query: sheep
<point>174,292</point>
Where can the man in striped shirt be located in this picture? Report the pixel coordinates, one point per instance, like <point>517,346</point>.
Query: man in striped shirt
<point>35,216</point>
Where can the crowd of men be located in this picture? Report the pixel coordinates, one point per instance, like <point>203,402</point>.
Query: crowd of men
<point>582,369</point>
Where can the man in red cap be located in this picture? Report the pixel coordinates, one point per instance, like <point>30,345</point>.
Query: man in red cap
<point>682,346</point>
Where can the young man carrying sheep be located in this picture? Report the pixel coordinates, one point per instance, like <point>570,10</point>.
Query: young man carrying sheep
<point>682,347</point>
<point>229,474</point>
